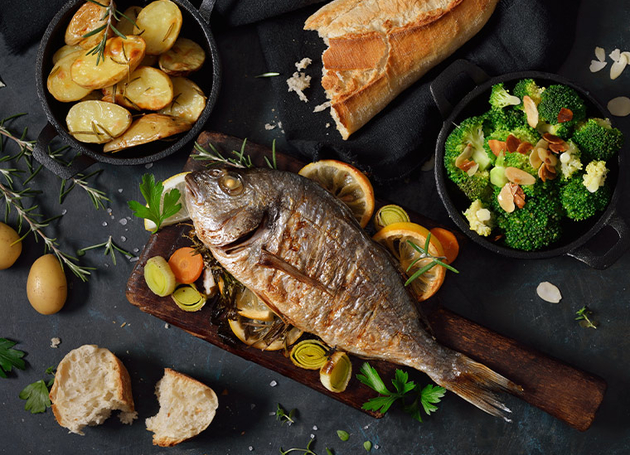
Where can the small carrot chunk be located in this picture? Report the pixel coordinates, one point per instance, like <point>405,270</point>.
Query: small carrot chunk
<point>449,243</point>
<point>186,264</point>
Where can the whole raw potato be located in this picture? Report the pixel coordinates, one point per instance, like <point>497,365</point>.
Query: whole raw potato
<point>10,248</point>
<point>46,286</point>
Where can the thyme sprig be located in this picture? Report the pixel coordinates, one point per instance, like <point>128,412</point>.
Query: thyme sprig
<point>284,417</point>
<point>110,13</point>
<point>110,248</point>
<point>424,254</point>
<point>584,317</point>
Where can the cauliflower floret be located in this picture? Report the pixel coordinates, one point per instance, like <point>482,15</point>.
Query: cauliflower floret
<point>595,175</point>
<point>479,218</point>
<point>570,161</point>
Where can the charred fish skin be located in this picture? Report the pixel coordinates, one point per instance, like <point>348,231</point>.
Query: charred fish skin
<point>301,250</point>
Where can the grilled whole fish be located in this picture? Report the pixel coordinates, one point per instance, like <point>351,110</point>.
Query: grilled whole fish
<point>302,252</point>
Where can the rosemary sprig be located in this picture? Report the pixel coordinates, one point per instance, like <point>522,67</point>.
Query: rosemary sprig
<point>584,316</point>
<point>241,159</point>
<point>97,196</point>
<point>424,254</point>
<point>270,74</point>
<point>13,199</point>
<point>110,13</point>
<point>272,164</point>
<point>110,248</point>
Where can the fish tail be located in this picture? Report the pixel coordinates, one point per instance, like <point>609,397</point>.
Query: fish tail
<point>478,384</point>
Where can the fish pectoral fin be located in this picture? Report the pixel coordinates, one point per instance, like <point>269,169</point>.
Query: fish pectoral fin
<point>270,260</point>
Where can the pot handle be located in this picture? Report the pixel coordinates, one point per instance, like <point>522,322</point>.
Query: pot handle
<point>40,153</point>
<point>450,85</point>
<point>613,252</point>
<point>206,8</point>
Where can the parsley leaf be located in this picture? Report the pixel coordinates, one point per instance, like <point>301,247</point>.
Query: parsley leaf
<point>9,357</point>
<point>343,435</point>
<point>404,388</point>
<point>157,208</point>
<point>36,396</point>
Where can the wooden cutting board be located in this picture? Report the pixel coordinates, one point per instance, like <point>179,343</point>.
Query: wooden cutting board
<point>565,392</point>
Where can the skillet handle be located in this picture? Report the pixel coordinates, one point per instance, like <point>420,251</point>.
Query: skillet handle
<point>206,8</point>
<point>449,86</point>
<point>40,153</point>
<point>601,261</point>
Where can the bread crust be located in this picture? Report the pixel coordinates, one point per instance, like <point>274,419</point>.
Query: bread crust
<point>378,48</point>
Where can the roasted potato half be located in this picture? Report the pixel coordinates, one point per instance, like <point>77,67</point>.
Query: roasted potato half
<point>148,128</point>
<point>188,100</point>
<point>147,88</point>
<point>60,83</point>
<point>65,50</point>
<point>159,24</point>
<point>122,56</point>
<point>97,121</point>
<point>125,25</point>
<point>87,18</point>
<point>183,58</point>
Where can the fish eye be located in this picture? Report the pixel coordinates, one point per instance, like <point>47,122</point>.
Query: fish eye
<point>231,184</point>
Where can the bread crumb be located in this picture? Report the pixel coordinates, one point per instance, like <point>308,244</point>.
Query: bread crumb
<point>327,125</point>
<point>269,126</point>
<point>302,64</point>
<point>123,324</point>
<point>167,325</point>
<point>322,107</point>
<point>299,82</point>
<point>55,342</point>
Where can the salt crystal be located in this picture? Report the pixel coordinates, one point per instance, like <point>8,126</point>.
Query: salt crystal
<point>148,165</point>
<point>135,250</point>
<point>314,427</point>
<point>167,326</point>
<point>620,106</point>
<point>104,223</point>
<point>251,449</point>
<point>123,238</point>
<point>134,259</point>
<point>548,292</point>
<point>64,211</point>
<point>120,190</point>
<point>600,53</point>
<point>312,436</point>
<point>273,383</point>
<point>376,446</point>
<point>252,406</point>
<point>109,210</point>
<point>123,221</point>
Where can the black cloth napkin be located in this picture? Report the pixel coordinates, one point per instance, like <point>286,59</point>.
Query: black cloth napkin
<point>521,35</point>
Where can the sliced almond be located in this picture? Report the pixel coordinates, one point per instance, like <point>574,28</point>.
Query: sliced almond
<point>512,143</point>
<point>519,196</point>
<point>620,106</point>
<point>506,198</point>
<point>497,146</point>
<point>464,156</point>
<point>542,144</point>
<point>531,111</point>
<point>547,172</point>
<point>472,170</point>
<point>518,176</point>
<point>552,139</point>
<point>617,68</point>
<point>559,148</point>
<point>600,53</point>
<point>614,55</point>
<point>596,66</point>
<point>565,115</point>
<point>524,148</point>
<point>534,159</point>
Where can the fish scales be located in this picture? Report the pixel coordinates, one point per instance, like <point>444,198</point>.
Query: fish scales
<point>303,253</point>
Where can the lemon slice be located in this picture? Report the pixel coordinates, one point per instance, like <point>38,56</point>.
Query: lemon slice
<point>176,181</point>
<point>347,183</point>
<point>395,236</point>
<point>250,306</point>
<point>252,333</point>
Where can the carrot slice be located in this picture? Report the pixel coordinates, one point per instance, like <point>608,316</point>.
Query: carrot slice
<point>186,264</point>
<point>449,243</point>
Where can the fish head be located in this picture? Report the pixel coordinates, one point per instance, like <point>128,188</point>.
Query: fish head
<point>227,204</point>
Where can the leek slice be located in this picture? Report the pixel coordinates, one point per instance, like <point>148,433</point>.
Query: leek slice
<point>336,373</point>
<point>159,276</point>
<point>390,214</point>
<point>188,298</point>
<point>309,354</point>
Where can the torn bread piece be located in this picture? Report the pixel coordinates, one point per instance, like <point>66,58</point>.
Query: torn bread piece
<point>187,407</point>
<point>378,48</point>
<point>90,383</point>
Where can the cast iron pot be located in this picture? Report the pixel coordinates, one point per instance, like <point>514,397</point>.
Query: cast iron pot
<point>577,237</point>
<point>195,26</point>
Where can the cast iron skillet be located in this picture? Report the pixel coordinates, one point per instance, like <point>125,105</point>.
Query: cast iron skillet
<point>576,237</point>
<point>195,26</point>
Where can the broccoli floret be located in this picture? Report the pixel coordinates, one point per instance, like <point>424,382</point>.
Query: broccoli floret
<point>480,219</point>
<point>580,203</point>
<point>530,228</point>
<point>504,119</point>
<point>598,140</point>
<point>595,176</point>
<point>570,161</point>
<point>556,97</point>
<point>562,130</point>
<point>500,97</point>
<point>476,186</point>
<point>528,87</point>
<point>520,161</point>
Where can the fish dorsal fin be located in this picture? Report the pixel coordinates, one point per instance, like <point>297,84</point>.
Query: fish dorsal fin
<point>270,260</point>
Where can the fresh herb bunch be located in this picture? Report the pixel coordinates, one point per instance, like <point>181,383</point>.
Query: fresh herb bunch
<point>159,206</point>
<point>10,358</point>
<point>37,394</point>
<point>423,398</point>
<point>424,254</point>
<point>110,13</point>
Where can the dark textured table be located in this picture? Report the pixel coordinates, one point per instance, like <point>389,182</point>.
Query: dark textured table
<point>493,291</point>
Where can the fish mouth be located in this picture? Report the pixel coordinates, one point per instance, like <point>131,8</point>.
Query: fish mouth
<point>246,239</point>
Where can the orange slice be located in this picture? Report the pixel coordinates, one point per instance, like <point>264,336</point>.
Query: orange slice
<point>395,238</point>
<point>347,183</point>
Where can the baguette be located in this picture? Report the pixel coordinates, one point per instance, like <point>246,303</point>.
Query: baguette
<point>90,383</point>
<point>378,48</point>
<point>187,407</point>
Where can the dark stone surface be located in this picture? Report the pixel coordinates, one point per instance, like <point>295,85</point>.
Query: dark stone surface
<point>496,292</point>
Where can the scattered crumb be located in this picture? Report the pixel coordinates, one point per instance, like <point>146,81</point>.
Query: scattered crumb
<point>55,342</point>
<point>167,325</point>
<point>302,64</point>
<point>327,125</point>
<point>123,324</point>
<point>269,126</point>
<point>322,107</point>
<point>548,292</point>
<point>299,82</point>
<point>279,124</point>
<point>273,384</point>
